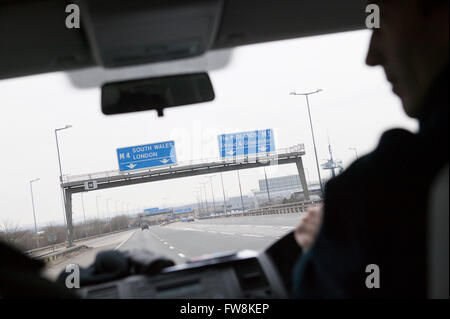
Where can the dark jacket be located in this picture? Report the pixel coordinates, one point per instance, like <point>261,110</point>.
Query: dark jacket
<point>20,276</point>
<point>375,213</point>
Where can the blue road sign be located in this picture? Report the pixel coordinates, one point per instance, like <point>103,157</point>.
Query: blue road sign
<point>145,156</point>
<point>246,143</point>
<point>151,210</point>
<point>156,210</point>
<point>183,210</point>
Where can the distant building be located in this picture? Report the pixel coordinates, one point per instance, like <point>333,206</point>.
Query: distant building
<point>283,188</point>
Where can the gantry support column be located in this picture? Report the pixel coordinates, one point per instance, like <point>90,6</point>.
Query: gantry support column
<point>68,207</point>
<point>301,173</point>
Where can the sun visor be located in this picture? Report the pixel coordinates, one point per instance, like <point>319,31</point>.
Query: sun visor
<point>149,31</point>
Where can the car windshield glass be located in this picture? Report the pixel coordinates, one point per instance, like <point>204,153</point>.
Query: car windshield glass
<point>49,125</point>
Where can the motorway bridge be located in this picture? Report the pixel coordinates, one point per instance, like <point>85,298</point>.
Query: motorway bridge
<point>104,180</point>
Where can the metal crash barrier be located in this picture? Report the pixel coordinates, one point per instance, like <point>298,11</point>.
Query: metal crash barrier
<point>290,208</point>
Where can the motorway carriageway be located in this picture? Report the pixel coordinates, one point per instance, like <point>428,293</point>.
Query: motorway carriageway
<point>182,241</point>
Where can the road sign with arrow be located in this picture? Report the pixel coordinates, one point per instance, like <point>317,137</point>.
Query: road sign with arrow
<point>246,143</point>
<point>145,156</point>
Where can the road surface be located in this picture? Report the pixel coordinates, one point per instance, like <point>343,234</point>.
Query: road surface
<point>86,258</point>
<point>182,240</point>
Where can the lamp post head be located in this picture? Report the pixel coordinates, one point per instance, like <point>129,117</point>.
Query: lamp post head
<point>63,128</point>
<point>306,94</point>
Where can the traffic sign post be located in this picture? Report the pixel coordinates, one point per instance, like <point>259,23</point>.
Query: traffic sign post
<point>246,143</point>
<point>146,156</point>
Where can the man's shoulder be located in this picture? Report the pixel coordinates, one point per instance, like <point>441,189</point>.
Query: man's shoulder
<point>395,148</point>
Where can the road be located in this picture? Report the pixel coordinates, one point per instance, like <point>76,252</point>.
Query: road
<point>181,241</point>
<point>96,245</point>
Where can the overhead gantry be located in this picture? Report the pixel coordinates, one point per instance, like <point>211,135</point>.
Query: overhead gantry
<point>104,180</point>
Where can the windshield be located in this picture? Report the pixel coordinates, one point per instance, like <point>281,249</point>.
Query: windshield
<point>49,125</point>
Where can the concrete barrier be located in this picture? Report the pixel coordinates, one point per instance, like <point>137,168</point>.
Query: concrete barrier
<point>290,208</point>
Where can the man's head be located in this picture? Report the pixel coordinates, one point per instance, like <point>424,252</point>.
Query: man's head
<point>412,46</point>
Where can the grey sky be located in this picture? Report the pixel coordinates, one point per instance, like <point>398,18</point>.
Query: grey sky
<point>252,92</point>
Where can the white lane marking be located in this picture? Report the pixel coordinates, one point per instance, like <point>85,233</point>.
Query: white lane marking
<point>171,247</point>
<point>120,245</point>
<point>165,243</point>
<point>190,229</point>
<point>225,233</point>
<point>264,226</point>
<point>212,232</point>
<point>287,227</point>
<point>251,235</point>
<point>181,255</point>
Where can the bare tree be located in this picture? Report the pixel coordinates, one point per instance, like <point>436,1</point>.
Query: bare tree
<point>11,233</point>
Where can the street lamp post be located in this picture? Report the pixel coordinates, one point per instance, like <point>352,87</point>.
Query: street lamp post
<point>198,206</point>
<point>212,192</point>
<point>199,193</point>
<point>98,214</point>
<point>312,132</point>
<point>109,214</point>
<point>206,197</point>
<point>34,212</point>
<point>240,190</point>
<point>84,215</point>
<point>96,203</point>
<point>68,236</point>
<point>197,196</point>
<point>123,208</point>
<point>224,199</point>
<point>117,208</point>
<point>267,187</point>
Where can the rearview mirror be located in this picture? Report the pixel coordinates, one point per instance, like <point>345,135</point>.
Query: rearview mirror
<point>156,93</point>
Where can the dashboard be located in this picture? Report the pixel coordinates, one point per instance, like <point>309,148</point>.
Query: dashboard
<point>244,274</point>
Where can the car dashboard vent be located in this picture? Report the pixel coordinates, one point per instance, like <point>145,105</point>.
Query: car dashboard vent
<point>251,276</point>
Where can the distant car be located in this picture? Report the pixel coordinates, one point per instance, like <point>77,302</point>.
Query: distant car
<point>184,219</point>
<point>144,226</point>
<point>191,219</point>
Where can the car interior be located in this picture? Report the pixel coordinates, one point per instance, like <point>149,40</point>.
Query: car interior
<point>181,41</point>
